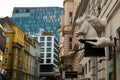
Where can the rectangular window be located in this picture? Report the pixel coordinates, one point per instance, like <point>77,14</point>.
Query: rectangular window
<point>49,44</point>
<point>36,38</point>
<point>89,65</point>
<point>5,61</point>
<point>27,10</point>
<point>42,38</point>
<point>42,61</point>
<point>110,52</point>
<point>70,17</point>
<point>41,55</point>
<point>70,43</point>
<point>70,14</point>
<point>49,39</point>
<point>42,44</point>
<point>48,49</point>
<point>48,61</point>
<point>48,55</point>
<point>7,40</point>
<point>86,68</point>
<point>17,11</point>
<point>6,50</point>
<point>42,49</point>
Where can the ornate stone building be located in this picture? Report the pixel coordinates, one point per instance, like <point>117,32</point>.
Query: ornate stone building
<point>100,68</point>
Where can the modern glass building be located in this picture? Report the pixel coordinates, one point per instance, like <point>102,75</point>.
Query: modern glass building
<point>49,56</point>
<point>32,19</point>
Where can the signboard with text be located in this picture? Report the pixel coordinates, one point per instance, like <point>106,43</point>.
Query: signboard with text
<point>71,74</point>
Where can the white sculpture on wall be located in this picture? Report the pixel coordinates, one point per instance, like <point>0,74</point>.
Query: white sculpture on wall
<point>88,29</point>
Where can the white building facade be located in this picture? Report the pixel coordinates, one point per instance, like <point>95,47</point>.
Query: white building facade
<point>48,55</point>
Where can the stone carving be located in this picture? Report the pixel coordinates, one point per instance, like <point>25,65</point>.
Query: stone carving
<point>89,29</point>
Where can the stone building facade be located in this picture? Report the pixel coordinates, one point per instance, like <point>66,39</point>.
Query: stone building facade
<point>97,68</point>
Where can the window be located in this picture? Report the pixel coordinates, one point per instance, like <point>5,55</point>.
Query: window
<point>42,61</point>
<point>55,62</point>
<point>27,10</point>
<point>42,44</point>
<point>36,38</point>
<point>110,52</point>
<point>6,50</point>
<point>5,61</point>
<point>49,38</point>
<point>55,56</point>
<point>70,43</point>
<point>17,11</point>
<point>48,55</point>
<point>49,44</point>
<point>48,61</point>
<point>42,49</point>
<point>111,76</point>
<point>41,55</point>
<point>42,38</point>
<point>70,17</point>
<point>70,14</point>
<point>7,40</point>
<point>89,64</point>
<point>48,49</point>
<point>86,68</point>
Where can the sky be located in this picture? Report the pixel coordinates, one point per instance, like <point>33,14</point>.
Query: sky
<point>6,6</point>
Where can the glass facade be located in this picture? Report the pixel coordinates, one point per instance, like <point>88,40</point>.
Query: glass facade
<point>32,19</point>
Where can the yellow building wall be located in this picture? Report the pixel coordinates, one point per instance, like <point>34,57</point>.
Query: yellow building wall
<point>8,51</point>
<point>19,35</point>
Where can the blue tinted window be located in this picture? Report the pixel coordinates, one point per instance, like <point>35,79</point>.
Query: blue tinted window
<point>42,44</point>
<point>49,38</point>
<point>48,49</point>
<point>42,38</point>
<point>49,44</point>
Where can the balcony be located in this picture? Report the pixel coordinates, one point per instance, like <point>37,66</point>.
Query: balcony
<point>16,44</point>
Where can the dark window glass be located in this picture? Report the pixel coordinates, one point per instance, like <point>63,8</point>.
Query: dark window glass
<point>46,68</point>
<point>55,51</point>
<point>55,56</point>
<point>48,61</point>
<point>70,14</point>
<point>41,55</point>
<point>49,44</point>
<point>17,11</point>
<point>89,64</point>
<point>48,49</point>
<point>42,44</point>
<point>110,52</point>
<point>49,39</point>
<point>27,10</point>
<point>36,38</point>
<point>55,62</point>
<point>111,76</point>
<point>42,38</point>
<point>41,49</point>
<point>42,61</point>
<point>48,55</point>
<point>86,68</point>
<point>70,43</point>
<point>55,41</point>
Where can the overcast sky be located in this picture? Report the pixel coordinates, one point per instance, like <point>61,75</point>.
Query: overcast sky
<point>6,6</point>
